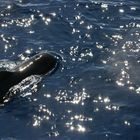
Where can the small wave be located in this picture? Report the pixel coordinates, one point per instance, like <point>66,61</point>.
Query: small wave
<point>32,5</point>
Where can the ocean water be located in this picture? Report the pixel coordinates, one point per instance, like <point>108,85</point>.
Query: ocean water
<point>95,93</point>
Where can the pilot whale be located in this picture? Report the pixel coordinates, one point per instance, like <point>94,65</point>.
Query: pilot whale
<point>40,64</point>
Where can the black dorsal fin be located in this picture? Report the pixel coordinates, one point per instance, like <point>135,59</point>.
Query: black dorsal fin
<point>5,74</point>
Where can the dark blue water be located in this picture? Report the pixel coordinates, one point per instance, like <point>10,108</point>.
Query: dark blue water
<point>95,94</point>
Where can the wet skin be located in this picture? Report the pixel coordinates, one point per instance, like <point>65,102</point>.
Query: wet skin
<point>40,64</point>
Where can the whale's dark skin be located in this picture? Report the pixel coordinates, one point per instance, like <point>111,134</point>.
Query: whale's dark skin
<point>40,64</point>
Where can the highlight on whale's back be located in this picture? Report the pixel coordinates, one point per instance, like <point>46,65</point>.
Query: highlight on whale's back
<point>40,64</point>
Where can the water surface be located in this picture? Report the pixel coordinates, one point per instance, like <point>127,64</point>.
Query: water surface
<point>95,94</point>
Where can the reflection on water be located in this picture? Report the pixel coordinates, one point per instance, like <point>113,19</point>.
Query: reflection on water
<point>126,59</point>
<point>95,93</point>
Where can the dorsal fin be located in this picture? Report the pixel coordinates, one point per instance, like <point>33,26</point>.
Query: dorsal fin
<point>5,74</point>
